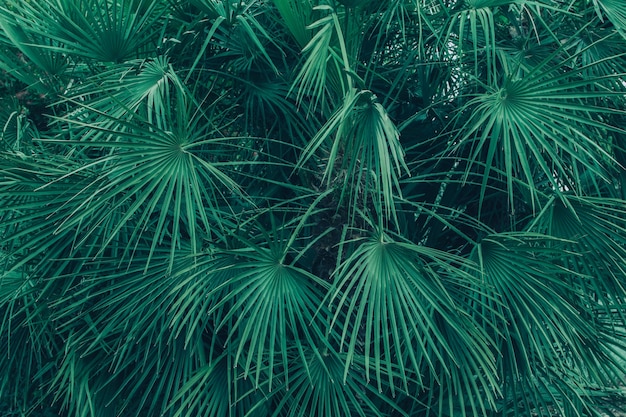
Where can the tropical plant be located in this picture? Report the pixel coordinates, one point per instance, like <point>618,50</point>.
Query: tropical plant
<point>312,207</point>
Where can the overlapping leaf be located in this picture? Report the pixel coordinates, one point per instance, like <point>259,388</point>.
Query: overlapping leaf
<point>99,30</point>
<point>545,328</point>
<point>267,308</point>
<point>391,304</point>
<point>594,229</point>
<point>544,127</point>
<point>366,151</point>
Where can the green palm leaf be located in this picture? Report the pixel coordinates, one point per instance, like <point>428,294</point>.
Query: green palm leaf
<point>546,335</point>
<point>99,30</point>
<point>146,87</point>
<point>215,390</point>
<point>269,307</point>
<point>321,66</point>
<point>594,229</point>
<point>615,10</point>
<point>318,388</point>
<point>392,305</point>
<point>51,62</point>
<point>477,29</point>
<point>17,131</point>
<point>30,340</point>
<point>297,15</point>
<point>161,178</point>
<point>235,26</point>
<point>541,124</point>
<point>365,150</point>
<point>117,314</point>
<point>27,213</point>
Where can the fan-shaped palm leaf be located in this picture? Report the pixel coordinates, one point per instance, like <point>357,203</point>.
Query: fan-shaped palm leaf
<point>615,10</point>
<point>546,334</point>
<point>99,30</point>
<point>30,237</point>
<point>312,78</point>
<point>216,390</point>
<point>269,306</point>
<point>117,314</point>
<point>297,16</point>
<point>476,27</point>
<point>542,123</point>
<point>166,247</point>
<point>319,388</point>
<point>235,27</point>
<point>147,87</point>
<point>32,45</point>
<point>30,341</point>
<point>158,177</point>
<point>594,229</point>
<point>392,303</point>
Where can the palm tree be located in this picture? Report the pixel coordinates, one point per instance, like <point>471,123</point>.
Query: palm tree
<point>313,208</point>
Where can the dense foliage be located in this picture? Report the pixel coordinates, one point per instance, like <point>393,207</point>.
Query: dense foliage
<point>312,207</point>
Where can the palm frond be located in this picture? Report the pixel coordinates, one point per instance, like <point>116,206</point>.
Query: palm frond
<point>216,390</point>
<point>312,81</point>
<point>269,307</point>
<point>543,125</point>
<point>392,305</point>
<point>97,30</point>
<point>235,27</point>
<point>297,16</point>
<point>319,388</point>
<point>475,33</point>
<point>30,346</point>
<point>546,332</point>
<point>119,312</point>
<point>13,29</point>
<point>615,11</point>
<point>144,88</point>
<point>593,227</point>
<point>158,174</point>
<point>16,129</point>
<point>364,136</point>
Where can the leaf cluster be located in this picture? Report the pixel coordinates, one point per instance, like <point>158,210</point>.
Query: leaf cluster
<point>313,208</point>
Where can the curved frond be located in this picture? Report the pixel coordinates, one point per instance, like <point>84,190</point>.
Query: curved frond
<point>215,390</point>
<point>319,388</point>
<point>297,16</point>
<point>541,127</point>
<point>615,10</point>
<point>100,30</point>
<point>392,304</point>
<point>546,336</point>
<point>594,229</point>
<point>365,157</point>
<point>168,181</point>
<point>269,307</point>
